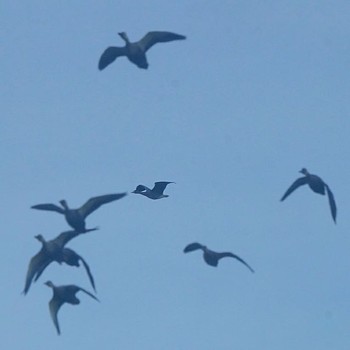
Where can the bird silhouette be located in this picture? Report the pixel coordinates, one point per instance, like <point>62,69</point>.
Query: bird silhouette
<point>136,52</point>
<point>212,258</point>
<point>54,250</point>
<point>317,185</point>
<point>61,295</point>
<point>156,192</point>
<point>76,217</point>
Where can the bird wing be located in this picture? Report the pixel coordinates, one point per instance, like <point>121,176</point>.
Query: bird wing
<point>54,305</point>
<point>63,238</point>
<point>231,255</point>
<point>332,204</point>
<point>49,207</point>
<point>42,269</point>
<point>192,246</point>
<point>298,182</point>
<point>159,186</point>
<point>152,38</point>
<point>110,55</point>
<point>37,264</point>
<point>88,293</point>
<point>94,203</point>
<point>72,258</point>
<point>87,268</point>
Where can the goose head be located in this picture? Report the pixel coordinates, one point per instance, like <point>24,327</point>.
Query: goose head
<point>64,204</point>
<point>139,189</point>
<point>49,284</point>
<point>40,238</point>
<point>124,36</point>
<point>304,171</point>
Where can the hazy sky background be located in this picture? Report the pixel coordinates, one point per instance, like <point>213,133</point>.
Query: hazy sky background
<point>258,90</point>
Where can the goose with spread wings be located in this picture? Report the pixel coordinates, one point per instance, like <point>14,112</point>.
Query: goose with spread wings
<point>61,295</point>
<point>156,192</point>
<point>76,217</point>
<point>54,250</point>
<point>212,258</point>
<point>136,51</point>
<point>317,185</point>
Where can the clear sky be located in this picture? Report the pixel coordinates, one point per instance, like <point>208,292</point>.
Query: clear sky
<point>258,90</point>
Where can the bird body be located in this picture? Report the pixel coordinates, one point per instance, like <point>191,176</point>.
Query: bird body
<point>211,257</point>
<point>54,250</point>
<point>61,295</point>
<point>76,217</point>
<point>136,51</point>
<point>156,192</point>
<point>317,185</point>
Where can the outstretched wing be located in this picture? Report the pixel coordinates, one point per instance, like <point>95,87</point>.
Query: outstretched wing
<point>110,55</point>
<point>192,246</point>
<point>297,183</point>
<point>37,265</point>
<point>94,203</point>
<point>159,186</point>
<point>42,269</point>
<point>152,38</point>
<point>63,238</point>
<point>231,255</point>
<point>88,293</point>
<point>87,268</point>
<point>49,207</point>
<point>72,258</point>
<point>332,204</point>
<point>54,306</point>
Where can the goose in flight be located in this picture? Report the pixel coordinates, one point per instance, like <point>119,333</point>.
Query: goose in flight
<point>156,192</point>
<point>317,185</point>
<point>212,258</point>
<point>76,217</point>
<point>54,250</point>
<point>61,295</point>
<point>136,52</point>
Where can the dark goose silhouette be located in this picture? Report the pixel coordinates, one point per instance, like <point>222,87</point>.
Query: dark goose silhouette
<point>54,250</point>
<point>212,258</point>
<point>76,217</point>
<point>136,52</point>
<point>61,295</point>
<point>156,192</point>
<point>317,185</point>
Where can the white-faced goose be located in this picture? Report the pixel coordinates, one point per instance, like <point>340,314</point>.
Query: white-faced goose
<point>156,192</point>
<point>317,185</point>
<point>54,250</point>
<point>61,295</point>
<point>136,52</point>
<point>212,258</point>
<point>76,217</point>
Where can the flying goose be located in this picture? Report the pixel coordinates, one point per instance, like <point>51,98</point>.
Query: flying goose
<point>212,258</point>
<point>317,185</point>
<point>136,52</point>
<point>156,192</point>
<point>61,295</point>
<point>76,217</point>
<point>54,250</point>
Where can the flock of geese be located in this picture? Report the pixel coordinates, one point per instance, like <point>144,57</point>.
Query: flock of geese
<point>56,250</point>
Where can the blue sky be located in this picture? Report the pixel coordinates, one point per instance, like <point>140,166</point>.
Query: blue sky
<point>256,92</point>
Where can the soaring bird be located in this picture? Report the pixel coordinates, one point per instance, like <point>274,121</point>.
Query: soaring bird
<point>212,258</point>
<point>54,250</point>
<point>317,185</point>
<point>61,295</point>
<point>136,52</point>
<point>156,192</point>
<point>76,217</point>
